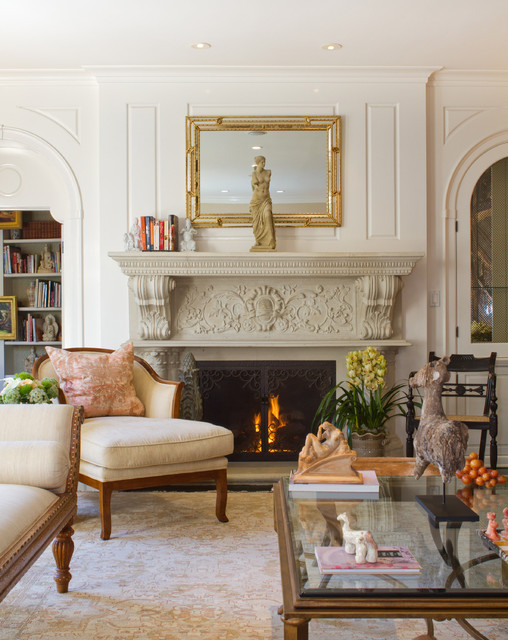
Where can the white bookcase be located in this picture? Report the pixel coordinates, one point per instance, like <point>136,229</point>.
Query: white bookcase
<point>22,278</point>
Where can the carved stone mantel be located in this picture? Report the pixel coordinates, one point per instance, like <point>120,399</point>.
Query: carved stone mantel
<point>287,299</point>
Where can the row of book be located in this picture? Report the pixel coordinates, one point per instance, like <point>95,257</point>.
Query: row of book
<point>31,328</point>
<point>46,294</point>
<point>159,235</point>
<point>17,262</point>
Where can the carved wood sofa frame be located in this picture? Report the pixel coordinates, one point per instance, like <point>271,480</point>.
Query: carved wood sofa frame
<point>53,525</point>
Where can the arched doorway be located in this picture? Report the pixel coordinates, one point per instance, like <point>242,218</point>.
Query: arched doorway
<point>35,176</point>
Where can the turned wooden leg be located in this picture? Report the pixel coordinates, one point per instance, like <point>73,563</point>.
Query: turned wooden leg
<point>221,485</point>
<point>296,628</point>
<point>63,548</point>
<point>105,492</point>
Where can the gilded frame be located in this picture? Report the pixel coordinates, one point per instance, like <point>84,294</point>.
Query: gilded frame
<point>8,318</point>
<point>11,219</point>
<point>331,125</point>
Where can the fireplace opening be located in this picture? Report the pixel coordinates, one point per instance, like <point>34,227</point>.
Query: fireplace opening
<point>268,405</point>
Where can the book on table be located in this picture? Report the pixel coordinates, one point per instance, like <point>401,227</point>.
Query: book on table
<point>370,485</point>
<point>391,560</point>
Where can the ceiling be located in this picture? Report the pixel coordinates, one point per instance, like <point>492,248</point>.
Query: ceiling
<point>70,34</point>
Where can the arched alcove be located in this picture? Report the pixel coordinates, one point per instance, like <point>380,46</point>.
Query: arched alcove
<point>35,176</point>
<point>457,209</point>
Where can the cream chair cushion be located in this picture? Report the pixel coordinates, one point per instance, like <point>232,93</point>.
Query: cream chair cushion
<point>21,506</point>
<point>129,443</point>
<point>40,463</point>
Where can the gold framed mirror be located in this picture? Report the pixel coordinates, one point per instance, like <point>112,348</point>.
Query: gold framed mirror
<point>303,154</point>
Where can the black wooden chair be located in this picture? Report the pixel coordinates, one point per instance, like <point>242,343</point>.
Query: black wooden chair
<point>461,366</point>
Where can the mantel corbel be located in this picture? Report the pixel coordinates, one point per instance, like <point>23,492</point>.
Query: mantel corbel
<point>376,300</point>
<point>151,294</point>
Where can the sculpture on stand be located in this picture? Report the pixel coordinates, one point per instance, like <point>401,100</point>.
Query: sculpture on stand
<point>438,440</point>
<point>261,207</point>
<point>326,458</point>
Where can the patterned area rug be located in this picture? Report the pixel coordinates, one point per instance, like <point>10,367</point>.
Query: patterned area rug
<point>171,571</point>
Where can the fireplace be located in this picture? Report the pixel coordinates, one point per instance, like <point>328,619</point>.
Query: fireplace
<point>269,405</point>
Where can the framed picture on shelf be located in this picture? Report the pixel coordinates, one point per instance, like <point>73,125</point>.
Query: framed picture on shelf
<point>11,220</point>
<point>8,318</point>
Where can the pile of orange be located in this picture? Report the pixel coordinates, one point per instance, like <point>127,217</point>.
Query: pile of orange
<point>475,472</point>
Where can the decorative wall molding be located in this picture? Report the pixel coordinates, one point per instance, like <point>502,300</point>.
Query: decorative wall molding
<point>325,299</point>
<point>65,117</point>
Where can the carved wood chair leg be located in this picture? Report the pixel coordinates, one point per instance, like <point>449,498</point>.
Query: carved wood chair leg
<point>63,548</point>
<point>221,484</point>
<point>105,492</point>
<point>483,444</point>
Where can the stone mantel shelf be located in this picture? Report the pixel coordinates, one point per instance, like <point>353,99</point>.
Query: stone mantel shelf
<point>268,264</point>
<point>260,299</point>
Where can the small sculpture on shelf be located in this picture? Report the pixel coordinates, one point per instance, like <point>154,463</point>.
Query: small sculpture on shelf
<point>438,440</point>
<point>49,328</point>
<point>132,239</point>
<point>30,358</point>
<point>326,458</point>
<point>46,265</point>
<point>360,543</point>
<point>187,242</point>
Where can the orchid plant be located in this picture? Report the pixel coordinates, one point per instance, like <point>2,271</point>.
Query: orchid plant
<point>361,404</point>
<point>22,388</point>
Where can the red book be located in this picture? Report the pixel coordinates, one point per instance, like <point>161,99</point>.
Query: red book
<point>161,235</point>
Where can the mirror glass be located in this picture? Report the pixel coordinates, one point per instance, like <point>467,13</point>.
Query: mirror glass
<point>303,155</point>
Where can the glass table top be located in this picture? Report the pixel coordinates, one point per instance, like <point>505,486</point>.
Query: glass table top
<point>452,556</point>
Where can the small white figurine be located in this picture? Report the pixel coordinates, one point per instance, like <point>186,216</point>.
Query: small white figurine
<point>360,543</point>
<point>132,240</point>
<point>188,243</point>
<point>49,328</point>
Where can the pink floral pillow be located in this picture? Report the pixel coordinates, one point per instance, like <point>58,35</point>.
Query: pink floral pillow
<point>100,382</point>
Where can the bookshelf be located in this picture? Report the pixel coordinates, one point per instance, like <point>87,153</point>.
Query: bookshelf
<point>32,273</point>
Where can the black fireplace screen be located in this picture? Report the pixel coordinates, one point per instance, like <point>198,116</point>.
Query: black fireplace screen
<point>269,405</point>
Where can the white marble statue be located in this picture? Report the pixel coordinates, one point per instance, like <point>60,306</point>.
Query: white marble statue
<point>187,242</point>
<point>261,207</point>
<point>132,239</point>
<point>46,265</point>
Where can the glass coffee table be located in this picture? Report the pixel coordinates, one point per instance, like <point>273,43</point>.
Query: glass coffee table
<point>460,576</point>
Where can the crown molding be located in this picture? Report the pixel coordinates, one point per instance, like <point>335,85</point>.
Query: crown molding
<point>469,78</point>
<point>313,74</point>
<point>46,76</point>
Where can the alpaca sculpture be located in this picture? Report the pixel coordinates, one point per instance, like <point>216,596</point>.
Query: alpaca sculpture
<point>360,543</point>
<point>438,440</point>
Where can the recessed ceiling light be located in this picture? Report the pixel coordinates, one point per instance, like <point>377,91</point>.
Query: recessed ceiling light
<point>333,46</point>
<point>201,45</point>
<point>257,133</point>
<point>280,191</point>
<point>257,147</point>
<point>224,190</point>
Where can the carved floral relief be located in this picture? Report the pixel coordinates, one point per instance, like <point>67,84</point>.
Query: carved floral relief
<point>265,308</point>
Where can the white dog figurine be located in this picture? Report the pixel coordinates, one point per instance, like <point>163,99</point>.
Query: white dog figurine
<point>359,543</point>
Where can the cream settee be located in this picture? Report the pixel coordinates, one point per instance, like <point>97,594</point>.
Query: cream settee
<point>120,452</point>
<point>39,458</point>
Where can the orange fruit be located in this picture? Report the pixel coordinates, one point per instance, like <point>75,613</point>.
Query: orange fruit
<point>476,463</point>
<point>466,478</point>
<point>501,479</point>
<point>480,481</point>
<point>473,455</point>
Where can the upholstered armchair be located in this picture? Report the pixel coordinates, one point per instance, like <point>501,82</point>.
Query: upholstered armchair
<point>39,460</point>
<point>147,446</point>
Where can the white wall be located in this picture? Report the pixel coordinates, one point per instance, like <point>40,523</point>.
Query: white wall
<point>121,132</point>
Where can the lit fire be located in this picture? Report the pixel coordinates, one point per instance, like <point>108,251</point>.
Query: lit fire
<point>275,422</point>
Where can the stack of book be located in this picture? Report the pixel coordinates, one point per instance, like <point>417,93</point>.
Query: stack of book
<point>159,235</point>
<point>391,560</point>
<point>17,262</point>
<point>48,294</point>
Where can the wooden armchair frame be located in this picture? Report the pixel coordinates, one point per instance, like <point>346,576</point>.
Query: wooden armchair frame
<point>218,476</point>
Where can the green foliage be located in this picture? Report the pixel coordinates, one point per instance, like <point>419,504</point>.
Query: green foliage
<point>22,388</point>
<point>359,404</point>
